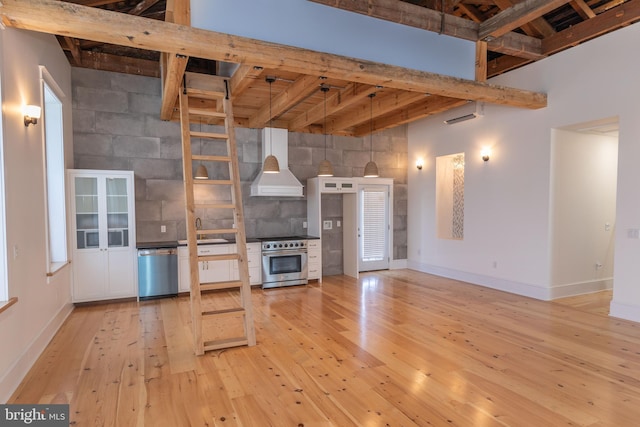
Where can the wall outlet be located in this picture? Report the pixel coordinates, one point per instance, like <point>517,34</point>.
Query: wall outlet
<point>495,264</point>
<point>163,228</point>
<point>16,252</point>
<point>327,225</point>
<point>633,233</point>
<point>607,226</point>
<point>338,223</point>
<point>304,224</point>
<point>598,265</point>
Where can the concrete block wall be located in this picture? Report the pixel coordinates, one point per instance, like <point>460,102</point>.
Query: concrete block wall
<point>117,127</point>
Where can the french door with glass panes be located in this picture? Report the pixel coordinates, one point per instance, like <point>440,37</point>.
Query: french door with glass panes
<point>373,227</point>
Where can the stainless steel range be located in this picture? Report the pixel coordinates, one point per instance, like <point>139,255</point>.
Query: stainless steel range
<point>284,261</point>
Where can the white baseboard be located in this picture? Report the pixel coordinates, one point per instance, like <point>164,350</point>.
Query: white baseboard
<point>624,311</point>
<point>519,288</point>
<point>397,264</point>
<point>581,288</point>
<point>16,373</point>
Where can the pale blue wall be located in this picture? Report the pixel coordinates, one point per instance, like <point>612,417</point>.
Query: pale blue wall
<point>321,28</point>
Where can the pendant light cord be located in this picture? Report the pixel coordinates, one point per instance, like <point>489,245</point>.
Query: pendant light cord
<point>371,128</point>
<point>324,124</point>
<point>270,121</point>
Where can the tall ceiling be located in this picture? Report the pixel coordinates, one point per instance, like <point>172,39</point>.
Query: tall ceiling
<point>508,34</point>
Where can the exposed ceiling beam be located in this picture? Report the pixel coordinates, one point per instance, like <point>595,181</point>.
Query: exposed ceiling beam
<point>619,17</point>
<point>504,63</point>
<point>418,110</point>
<point>74,47</point>
<point>142,6</point>
<point>179,12</point>
<point>583,9</point>
<point>120,64</point>
<point>539,27</point>
<point>515,16</point>
<point>110,27</point>
<point>481,61</point>
<point>242,79</point>
<point>304,86</point>
<point>427,19</point>
<point>382,104</point>
<point>338,101</point>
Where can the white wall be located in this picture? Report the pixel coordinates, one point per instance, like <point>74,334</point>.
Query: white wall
<point>26,327</point>
<point>583,206</point>
<point>326,29</point>
<point>507,241</point>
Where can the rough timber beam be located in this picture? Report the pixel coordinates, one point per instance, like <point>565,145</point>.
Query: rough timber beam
<point>179,12</point>
<point>431,20</point>
<point>72,20</point>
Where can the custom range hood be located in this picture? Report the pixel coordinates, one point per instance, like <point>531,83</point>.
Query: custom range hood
<point>284,183</point>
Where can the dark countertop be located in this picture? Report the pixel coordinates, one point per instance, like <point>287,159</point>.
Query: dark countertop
<point>175,244</point>
<point>157,245</point>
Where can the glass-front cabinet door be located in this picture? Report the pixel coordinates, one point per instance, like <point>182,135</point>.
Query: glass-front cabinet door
<point>117,212</point>
<point>87,213</point>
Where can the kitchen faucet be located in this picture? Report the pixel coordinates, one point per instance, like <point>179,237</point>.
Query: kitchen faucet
<point>198,227</point>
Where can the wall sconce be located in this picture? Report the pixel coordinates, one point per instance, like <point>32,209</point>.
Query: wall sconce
<point>419,164</point>
<point>485,154</point>
<point>31,114</point>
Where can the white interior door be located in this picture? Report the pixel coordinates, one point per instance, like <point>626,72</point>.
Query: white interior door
<point>373,227</point>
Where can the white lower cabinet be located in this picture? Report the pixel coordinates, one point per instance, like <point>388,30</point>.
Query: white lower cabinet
<point>314,259</point>
<point>254,262</point>
<point>218,271</point>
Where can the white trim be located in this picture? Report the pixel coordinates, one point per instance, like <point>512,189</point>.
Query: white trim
<point>19,369</point>
<point>624,311</point>
<point>4,279</point>
<point>398,264</point>
<point>581,288</point>
<point>518,288</point>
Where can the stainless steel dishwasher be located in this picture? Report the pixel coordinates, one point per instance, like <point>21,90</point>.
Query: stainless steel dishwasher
<point>157,272</point>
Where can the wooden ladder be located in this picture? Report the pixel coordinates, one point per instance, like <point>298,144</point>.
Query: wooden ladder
<point>210,105</point>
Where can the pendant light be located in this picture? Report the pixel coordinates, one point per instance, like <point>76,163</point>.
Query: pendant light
<point>201,171</point>
<point>270,162</point>
<point>325,168</point>
<point>371,169</point>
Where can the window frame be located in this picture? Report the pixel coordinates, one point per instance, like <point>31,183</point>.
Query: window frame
<point>47,82</point>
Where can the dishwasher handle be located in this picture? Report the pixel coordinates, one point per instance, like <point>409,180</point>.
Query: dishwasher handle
<point>157,252</point>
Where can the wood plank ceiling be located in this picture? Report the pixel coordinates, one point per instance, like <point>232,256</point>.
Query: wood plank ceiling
<point>508,34</point>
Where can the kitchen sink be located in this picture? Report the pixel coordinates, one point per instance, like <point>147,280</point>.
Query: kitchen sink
<point>204,241</point>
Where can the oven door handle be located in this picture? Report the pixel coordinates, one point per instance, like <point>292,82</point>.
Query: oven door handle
<point>285,252</point>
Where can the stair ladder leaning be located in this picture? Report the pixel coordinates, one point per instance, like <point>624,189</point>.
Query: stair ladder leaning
<point>213,104</point>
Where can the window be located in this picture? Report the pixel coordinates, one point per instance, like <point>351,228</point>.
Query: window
<point>54,173</point>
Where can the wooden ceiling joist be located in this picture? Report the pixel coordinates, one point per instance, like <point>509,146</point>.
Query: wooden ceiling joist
<point>72,20</point>
<point>418,110</point>
<point>243,77</point>
<point>304,86</point>
<point>382,104</point>
<point>515,16</point>
<point>622,15</point>
<point>352,94</point>
<point>427,19</point>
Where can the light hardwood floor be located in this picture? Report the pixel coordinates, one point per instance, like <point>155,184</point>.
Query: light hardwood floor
<point>395,348</point>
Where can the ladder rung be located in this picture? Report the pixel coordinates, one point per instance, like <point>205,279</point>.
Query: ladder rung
<point>205,94</point>
<point>204,158</point>
<point>212,182</point>
<point>210,135</point>
<point>219,286</point>
<point>206,113</point>
<point>218,231</point>
<point>224,313</point>
<point>215,206</point>
<point>226,343</point>
<point>219,257</point>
